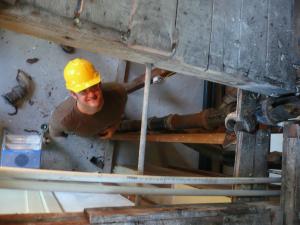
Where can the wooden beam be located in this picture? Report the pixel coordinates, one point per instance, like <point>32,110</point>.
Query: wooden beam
<point>7,173</point>
<point>252,148</point>
<point>262,149</point>
<point>203,138</point>
<point>127,70</point>
<point>297,27</point>
<point>108,157</point>
<point>290,185</point>
<point>214,214</point>
<point>11,2</point>
<point>95,38</point>
<point>45,218</point>
<point>84,187</point>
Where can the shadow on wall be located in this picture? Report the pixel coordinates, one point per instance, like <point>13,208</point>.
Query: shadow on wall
<point>159,154</point>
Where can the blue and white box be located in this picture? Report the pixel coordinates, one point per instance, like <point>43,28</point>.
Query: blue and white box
<point>21,151</point>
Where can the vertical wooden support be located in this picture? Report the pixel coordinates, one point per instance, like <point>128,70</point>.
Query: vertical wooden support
<point>108,156</point>
<point>252,148</point>
<point>122,72</point>
<point>262,149</point>
<point>290,187</point>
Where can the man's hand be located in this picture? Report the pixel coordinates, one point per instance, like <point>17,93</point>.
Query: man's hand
<point>108,133</point>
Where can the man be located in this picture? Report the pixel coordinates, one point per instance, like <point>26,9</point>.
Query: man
<point>93,108</point>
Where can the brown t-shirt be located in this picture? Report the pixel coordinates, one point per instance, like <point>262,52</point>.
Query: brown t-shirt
<point>68,119</point>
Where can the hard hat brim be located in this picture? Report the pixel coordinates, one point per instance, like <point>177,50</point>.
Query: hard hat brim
<point>80,87</point>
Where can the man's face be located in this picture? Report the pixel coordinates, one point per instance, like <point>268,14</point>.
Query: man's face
<point>91,97</point>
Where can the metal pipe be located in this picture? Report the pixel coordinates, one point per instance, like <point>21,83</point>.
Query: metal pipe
<point>142,147</point>
<point>54,175</point>
<point>207,120</point>
<point>98,188</point>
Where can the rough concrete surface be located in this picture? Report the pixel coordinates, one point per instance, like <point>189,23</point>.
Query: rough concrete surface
<point>72,153</point>
<point>178,94</point>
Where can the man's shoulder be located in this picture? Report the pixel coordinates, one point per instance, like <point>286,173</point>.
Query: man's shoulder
<point>114,89</point>
<point>113,86</point>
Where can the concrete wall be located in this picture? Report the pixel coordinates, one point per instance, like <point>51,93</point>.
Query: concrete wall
<point>178,94</point>
<point>72,153</point>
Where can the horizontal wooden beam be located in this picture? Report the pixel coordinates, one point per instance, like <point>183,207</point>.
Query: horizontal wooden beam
<point>85,177</point>
<point>33,21</point>
<point>46,218</point>
<point>63,186</point>
<point>203,138</point>
<point>216,214</point>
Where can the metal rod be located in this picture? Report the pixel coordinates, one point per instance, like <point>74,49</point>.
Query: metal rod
<point>55,175</point>
<point>142,147</point>
<point>98,188</point>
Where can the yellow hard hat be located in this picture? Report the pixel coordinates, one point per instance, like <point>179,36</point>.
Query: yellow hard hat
<point>80,74</point>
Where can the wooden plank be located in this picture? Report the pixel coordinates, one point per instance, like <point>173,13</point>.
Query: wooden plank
<point>261,153</point>
<point>161,171</point>
<point>214,214</point>
<point>280,47</point>
<point>225,37</point>
<point>262,149</point>
<point>108,157</point>
<point>152,25</point>
<point>203,138</point>
<point>45,219</point>
<point>290,186</point>
<point>194,19</point>
<point>244,155</point>
<point>111,14</point>
<point>92,178</point>
<point>127,69</point>
<point>252,148</point>
<point>11,2</point>
<point>253,37</point>
<point>297,27</point>
<point>113,42</point>
<point>91,37</point>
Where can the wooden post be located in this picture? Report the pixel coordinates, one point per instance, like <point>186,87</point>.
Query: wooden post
<point>108,157</point>
<point>262,149</point>
<point>290,187</point>
<point>251,148</point>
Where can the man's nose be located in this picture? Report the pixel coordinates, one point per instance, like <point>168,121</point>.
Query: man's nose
<point>90,93</point>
